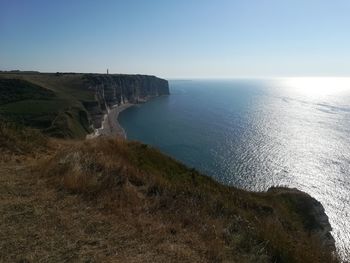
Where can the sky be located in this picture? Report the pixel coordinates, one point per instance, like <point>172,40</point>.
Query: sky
<point>178,38</point>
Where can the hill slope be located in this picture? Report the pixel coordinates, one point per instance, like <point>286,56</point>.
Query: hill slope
<point>109,200</point>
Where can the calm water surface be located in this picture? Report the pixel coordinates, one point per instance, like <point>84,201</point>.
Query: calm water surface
<point>257,133</point>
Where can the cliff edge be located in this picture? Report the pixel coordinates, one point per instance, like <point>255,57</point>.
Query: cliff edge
<point>110,200</point>
<point>71,105</point>
<point>313,215</point>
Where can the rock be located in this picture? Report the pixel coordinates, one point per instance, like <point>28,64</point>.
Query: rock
<point>313,215</point>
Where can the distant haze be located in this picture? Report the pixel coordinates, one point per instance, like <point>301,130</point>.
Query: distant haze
<point>172,39</point>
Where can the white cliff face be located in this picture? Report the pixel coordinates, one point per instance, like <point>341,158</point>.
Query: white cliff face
<point>116,90</point>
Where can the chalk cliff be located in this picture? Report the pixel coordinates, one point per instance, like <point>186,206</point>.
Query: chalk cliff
<point>117,89</point>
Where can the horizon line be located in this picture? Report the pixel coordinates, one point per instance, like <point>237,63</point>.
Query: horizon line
<point>186,77</point>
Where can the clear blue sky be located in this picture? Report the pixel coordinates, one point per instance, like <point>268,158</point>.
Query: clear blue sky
<point>178,38</point>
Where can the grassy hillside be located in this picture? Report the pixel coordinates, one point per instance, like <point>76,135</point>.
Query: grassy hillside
<point>50,102</point>
<point>107,200</point>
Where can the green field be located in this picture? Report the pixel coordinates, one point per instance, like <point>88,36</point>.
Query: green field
<point>50,102</point>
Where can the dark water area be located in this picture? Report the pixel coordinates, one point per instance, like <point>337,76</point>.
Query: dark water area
<point>254,134</point>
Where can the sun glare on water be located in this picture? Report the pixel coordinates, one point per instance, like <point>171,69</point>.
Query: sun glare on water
<point>317,87</point>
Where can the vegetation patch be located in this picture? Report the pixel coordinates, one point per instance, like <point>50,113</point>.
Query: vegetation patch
<point>48,102</point>
<point>223,223</point>
<point>12,90</point>
<point>19,140</point>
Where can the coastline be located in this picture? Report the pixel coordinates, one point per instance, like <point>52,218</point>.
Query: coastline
<point>110,125</point>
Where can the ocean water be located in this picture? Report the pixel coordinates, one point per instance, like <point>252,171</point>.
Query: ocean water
<point>256,133</point>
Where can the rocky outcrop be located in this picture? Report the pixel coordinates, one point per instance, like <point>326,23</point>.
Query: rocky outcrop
<point>310,211</point>
<point>117,89</point>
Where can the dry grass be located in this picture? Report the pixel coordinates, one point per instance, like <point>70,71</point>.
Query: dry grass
<point>18,140</point>
<point>127,176</point>
<point>108,200</point>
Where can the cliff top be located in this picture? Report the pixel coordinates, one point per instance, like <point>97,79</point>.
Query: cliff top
<point>108,200</point>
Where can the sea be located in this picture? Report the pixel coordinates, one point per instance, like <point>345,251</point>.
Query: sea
<point>258,133</point>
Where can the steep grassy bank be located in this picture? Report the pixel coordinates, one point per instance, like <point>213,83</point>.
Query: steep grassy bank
<point>106,200</point>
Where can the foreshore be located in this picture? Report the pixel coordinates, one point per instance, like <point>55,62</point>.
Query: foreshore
<point>110,125</point>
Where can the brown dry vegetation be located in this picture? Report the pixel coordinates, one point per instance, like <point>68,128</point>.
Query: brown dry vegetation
<point>108,200</point>
<point>18,140</point>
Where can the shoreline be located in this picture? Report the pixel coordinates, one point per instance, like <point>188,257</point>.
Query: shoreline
<point>110,125</point>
